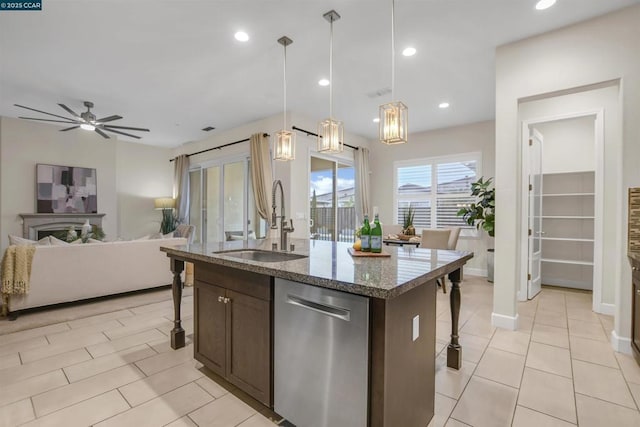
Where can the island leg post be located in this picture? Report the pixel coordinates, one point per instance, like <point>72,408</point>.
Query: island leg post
<point>177,333</point>
<point>454,351</point>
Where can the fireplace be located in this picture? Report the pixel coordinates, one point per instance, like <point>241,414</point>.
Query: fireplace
<point>36,226</point>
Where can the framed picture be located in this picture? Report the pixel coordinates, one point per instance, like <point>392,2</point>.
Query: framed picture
<point>66,189</point>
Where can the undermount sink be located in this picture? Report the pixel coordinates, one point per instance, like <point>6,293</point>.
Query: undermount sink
<point>261,255</point>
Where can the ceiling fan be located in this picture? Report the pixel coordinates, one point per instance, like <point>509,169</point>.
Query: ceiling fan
<point>87,121</point>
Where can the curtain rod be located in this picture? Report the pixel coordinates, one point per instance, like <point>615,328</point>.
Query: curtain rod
<point>266,135</point>
<point>315,134</point>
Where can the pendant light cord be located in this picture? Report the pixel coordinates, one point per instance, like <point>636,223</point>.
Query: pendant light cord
<point>331,71</point>
<point>393,50</point>
<point>284,111</point>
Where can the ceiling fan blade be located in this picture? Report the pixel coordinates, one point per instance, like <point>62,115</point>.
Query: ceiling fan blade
<point>117,131</point>
<point>127,128</point>
<point>47,120</point>
<point>102,134</point>
<point>69,110</point>
<point>43,112</point>
<point>72,127</point>
<point>109,119</point>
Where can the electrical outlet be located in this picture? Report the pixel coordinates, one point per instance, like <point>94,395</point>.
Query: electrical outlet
<point>416,327</point>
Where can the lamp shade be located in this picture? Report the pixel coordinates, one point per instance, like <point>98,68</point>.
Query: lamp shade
<point>393,123</point>
<point>330,136</point>
<point>164,203</point>
<point>285,145</point>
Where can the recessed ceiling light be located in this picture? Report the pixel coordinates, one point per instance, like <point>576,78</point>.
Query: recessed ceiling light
<point>410,51</point>
<point>443,105</point>
<point>241,36</point>
<point>376,120</point>
<point>323,82</point>
<point>545,4</point>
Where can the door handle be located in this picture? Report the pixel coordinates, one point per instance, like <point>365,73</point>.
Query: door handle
<point>327,310</point>
<point>220,299</point>
<point>634,268</point>
<point>227,300</point>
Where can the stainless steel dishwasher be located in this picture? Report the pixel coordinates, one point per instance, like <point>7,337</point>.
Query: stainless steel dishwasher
<point>320,356</point>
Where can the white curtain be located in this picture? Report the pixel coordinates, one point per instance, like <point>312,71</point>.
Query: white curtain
<point>361,160</point>
<point>181,187</point>
<point>261,176</point>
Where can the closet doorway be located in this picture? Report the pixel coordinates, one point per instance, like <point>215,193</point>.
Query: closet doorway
<point>562,203</point>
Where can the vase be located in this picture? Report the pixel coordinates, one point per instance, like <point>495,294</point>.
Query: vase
<point>409,231</point>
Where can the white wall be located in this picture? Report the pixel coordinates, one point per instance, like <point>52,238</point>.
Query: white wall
<point>139,171</point>
<point>601,50</point>
<point>143,173</point>
<point>569,145</point>
<point>475,137</point>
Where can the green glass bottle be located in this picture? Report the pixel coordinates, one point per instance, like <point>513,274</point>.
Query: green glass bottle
<point>365,235</point>
<point>376,236</point>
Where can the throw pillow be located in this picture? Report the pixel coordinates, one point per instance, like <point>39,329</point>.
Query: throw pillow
<point>21,241</point>
<point>76,242</point>
<point>57,242</point>
<point>90,240</point>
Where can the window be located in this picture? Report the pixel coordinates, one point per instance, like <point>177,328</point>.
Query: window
<point>435,188</point>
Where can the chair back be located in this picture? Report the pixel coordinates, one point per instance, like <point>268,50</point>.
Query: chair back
<point>453,238</point>
<point>185,230</point>
<point>392,229</point>
<point>435,238</point>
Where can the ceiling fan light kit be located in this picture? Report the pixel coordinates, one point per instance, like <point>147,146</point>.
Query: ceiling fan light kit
<point>86,121</point>
<point>285,141</point>
<point>330,131</point>
<point>394,116</point>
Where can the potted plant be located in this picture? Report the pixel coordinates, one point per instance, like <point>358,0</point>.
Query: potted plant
<point>407,221</point>
<point>481,214</point>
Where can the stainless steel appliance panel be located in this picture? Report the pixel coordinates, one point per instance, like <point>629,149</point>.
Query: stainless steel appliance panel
<point>320,356</point>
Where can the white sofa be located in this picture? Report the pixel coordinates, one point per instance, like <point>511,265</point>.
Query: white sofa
<point>76,272</point>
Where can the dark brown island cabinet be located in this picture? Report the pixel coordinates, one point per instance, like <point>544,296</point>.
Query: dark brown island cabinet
<point>233,331</point>
<point>635,322</point>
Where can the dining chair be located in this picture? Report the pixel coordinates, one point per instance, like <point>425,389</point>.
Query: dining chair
<point>444,238</point>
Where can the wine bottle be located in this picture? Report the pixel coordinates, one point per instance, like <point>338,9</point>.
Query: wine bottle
<point>376,236</point>
<point>365,235</point>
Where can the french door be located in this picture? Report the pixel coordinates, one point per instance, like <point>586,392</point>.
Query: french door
<point>331,200</point>
<point>222,202</point>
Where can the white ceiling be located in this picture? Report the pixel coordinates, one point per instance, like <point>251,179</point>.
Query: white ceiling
<point>174,66</point>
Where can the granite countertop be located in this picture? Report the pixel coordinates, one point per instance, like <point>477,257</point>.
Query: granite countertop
<point>329,265</point>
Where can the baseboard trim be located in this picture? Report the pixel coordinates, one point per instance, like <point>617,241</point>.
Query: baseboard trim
<point>482,272</point>
<point>620,344</point>
<point>608,309</point>
<point>504,322</point>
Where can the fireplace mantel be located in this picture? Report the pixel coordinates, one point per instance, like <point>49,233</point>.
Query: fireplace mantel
<point>32,223</point>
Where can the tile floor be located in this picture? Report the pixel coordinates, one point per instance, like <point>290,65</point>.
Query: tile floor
<point>116,368</point>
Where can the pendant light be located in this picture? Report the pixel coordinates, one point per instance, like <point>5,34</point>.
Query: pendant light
<point>393,122</point>
<point>285,142</point>
<point>330,131</point>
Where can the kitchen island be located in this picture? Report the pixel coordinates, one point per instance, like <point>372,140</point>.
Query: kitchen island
<point>388,378</point>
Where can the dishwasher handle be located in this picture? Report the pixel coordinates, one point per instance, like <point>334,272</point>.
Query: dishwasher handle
<point>327,310</point>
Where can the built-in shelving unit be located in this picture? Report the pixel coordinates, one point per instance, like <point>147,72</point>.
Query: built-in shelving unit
<point>568,229</point>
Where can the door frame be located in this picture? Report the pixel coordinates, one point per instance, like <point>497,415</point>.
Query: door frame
<point>598,255</point>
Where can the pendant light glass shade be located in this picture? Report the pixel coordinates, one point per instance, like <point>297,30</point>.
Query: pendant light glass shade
<point>330,131</point>
<point>285,146</point>
<point>285,141</point>
<point>393,123</point>
<point>330,136</point>
<point>394,116</point>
